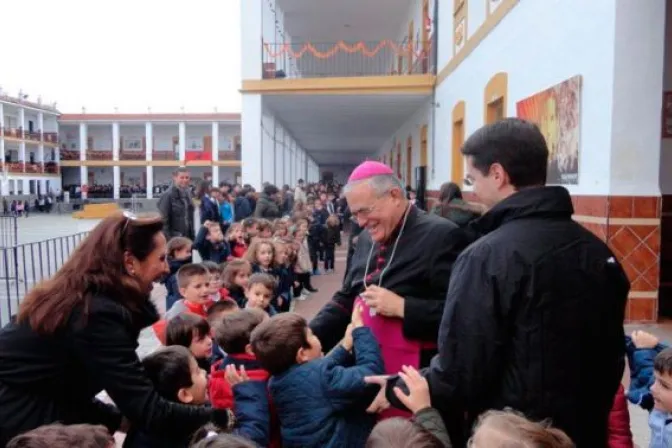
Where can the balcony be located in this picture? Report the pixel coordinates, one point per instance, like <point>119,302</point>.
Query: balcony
<point>165,155</point>
<point>346,59</point>
<point>51,168</point>
<point>34,168</point>
<point>15,167</point>
<point>98,155</point>
<point>132,155</point>
<point>33,136</point>
<point>69,154</point>
<point>229,155</point>
<point>12,132</point>
<point>50,137</point>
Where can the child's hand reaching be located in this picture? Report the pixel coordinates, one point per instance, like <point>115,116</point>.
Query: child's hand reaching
<point>418,390</point>
<point>644,340</point>
<point>356,322</point>
<point>356,319</point>
<point>236,377</point>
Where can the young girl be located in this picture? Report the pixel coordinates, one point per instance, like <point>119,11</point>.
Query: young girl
<point>303,267</point>
<point>261,255</point>
<point>282,276</point>
<point>280,229</point>
<point>236,275</point>
<point>499,429</point>
<point>332,238</point>
<point>250,229</point>
<point>265,228</point>
<point>215,285</point>
<point>179,254</point>
<point>236,238</point>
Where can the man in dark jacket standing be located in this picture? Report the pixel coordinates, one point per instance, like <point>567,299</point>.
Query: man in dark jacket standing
<point>535,307</point>
<point>176,206</point>
<point>267,206</point>
<point>399,272</point>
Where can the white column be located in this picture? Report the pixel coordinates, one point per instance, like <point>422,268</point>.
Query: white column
<point>251,135</point>
<point>40,148</point>
<point>116,179</point>
<point>149,151</point>
<point>83,175</point>
<point>115,141</point>
<point>215,153</point>
<point>2,143</point>
<point>150,181</point>
<point>83,138</point>
<point>40,124</point>
<point>22,119</point>
<point>183,141</point>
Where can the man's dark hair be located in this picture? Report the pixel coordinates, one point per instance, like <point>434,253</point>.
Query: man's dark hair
<point>270,190</point>
<point>169,369</point>
<point>183,328</point>
<point>188,271</point>
<point>233,334</point>
<point>277,340</point>
<point>300,181</point>
<point>517,145</point>
<point>182,169</point>
<point>663,362</point>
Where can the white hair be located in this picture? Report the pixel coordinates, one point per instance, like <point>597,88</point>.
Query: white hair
<point>381,184</point>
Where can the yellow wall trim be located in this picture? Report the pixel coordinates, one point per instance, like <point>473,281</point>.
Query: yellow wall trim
<point>358,85</point>
<point>490,22</point>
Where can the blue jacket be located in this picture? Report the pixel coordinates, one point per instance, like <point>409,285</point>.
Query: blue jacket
<point>640,362</point>
<point>209,210</point>
<point>319,402</point>
<point>170,282</point>
<point>208,251</point>
<point>284,278</point>
<point>226,211</point>
<point>241,208</point>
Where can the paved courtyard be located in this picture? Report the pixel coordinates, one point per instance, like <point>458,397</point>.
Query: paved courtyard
<point>45,241</point>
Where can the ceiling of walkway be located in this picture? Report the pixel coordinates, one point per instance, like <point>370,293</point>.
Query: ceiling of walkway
<point>349,20</point>
<point>344,129</point>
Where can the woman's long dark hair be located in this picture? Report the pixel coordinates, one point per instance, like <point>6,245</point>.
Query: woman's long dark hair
<point>448,192</point>
<point>96,267</point>
<point>203,188</point>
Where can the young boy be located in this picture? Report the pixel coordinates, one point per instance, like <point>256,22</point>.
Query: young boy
<point>233,335</point>
<point>211,244</point>
<point>193,332</point>
<point>215,283</point>
<point>260,291</point>
<point>179,254</point>
<point>176,377</point>
<point>194,283</point>
<point>250,229</point>
<point>216,313</point>
<point>318,397</point>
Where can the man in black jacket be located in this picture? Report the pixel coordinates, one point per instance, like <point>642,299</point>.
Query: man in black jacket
<point>399,271</point>
<point>535,308</point>
<point>176,206</point>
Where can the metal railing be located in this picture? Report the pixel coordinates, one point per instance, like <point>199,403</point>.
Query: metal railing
<point>22,266</point>
<point>343,59</point>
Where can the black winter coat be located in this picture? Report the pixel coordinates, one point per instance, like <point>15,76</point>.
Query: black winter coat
<point>419,273</point>
<point>48,379</point>
<point>533,321</point>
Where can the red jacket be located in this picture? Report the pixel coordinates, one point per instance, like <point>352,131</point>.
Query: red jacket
<point>619,422</point>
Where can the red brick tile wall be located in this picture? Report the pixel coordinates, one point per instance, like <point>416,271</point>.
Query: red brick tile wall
<point>636,229</point>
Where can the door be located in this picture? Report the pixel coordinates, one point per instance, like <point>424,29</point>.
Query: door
<point>457,161</point>
<point>496,110</point>
<point>207,143</point>
<point>409,163</point>
<point>423,146</point>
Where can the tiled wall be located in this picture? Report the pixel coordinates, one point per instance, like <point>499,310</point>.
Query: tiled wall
<point>631,226</point>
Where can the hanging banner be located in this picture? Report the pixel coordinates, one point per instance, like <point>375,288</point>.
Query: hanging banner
<point>197,155</point>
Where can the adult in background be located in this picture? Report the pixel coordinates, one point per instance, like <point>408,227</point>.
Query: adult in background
<point>76,335</point>
<point>399,271</point>
<point>267,204</point>
<point>452,206</point>
<point>535,308</point>
<point>242,209</point>
<point>300,192</point>
<point>177,207</point>
<point>209,197</point>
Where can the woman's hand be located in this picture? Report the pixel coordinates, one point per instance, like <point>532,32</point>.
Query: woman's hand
<point>418,390</point>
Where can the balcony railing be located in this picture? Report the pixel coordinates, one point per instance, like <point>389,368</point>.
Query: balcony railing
<point>12,132</point>
<point>344,59</point>
<point>50,137</point>
<point>51,168</point>
<point>15,167</point>
<point>69,154</point>
<point>98,155</point>
<point>34,168</point>
<point>229,155</point>
<point>132,155</point>
<point>165,155</point>
<point>33,136</point>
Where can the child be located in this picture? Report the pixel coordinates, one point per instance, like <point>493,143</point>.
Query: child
<point>651,378</point>
<point>265,228</point>
<point>236,239</point>
<point>176,377</point>
<point>280,229</point>
<point>332,238</point>
<point>211,436</point>
<point>193,332</point>
<point>215,284</point>
<point>193,281</point>
<point>427,428</point>
<point>64,436</point>
<point>303,267</point>
<point>216,313</point>
<point>179,254</point>
<point>236,275</point>
<point>250,229</point>
<point>315,239</point>
<point>259,293</point>
<point>261,255</point>
<point>317,397</point>
<point>211,244</point>
<point>234,337</point>
<point>283,277</point>
<point>502,429</point>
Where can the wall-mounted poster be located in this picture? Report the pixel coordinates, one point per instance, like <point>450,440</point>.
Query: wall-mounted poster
<point>557,113</point>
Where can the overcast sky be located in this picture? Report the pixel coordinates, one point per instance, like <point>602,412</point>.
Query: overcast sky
<point>130,54</point>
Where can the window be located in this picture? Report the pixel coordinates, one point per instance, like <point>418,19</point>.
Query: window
<point>457,160</point>
<point>495,98</point>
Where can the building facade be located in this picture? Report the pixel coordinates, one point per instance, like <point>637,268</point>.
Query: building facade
<point>408,83</point>
<point>118,155</point>
<point>28,147</point>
